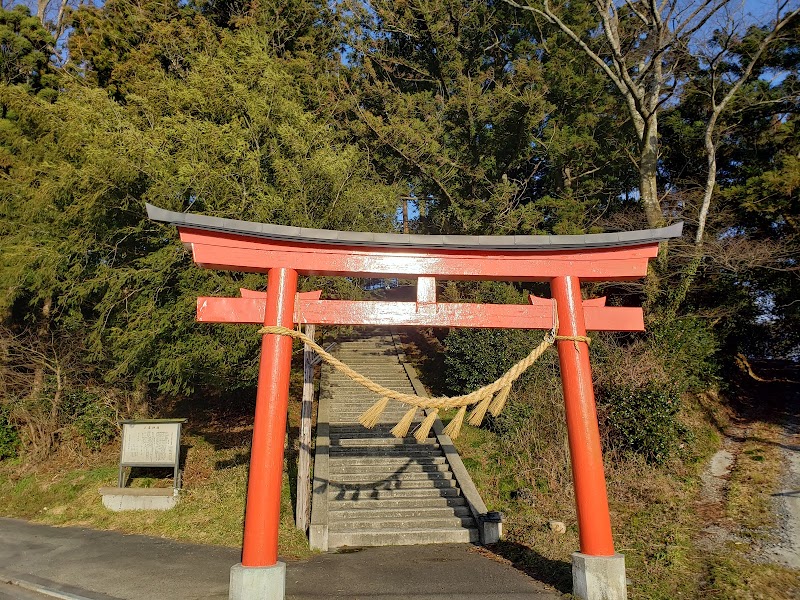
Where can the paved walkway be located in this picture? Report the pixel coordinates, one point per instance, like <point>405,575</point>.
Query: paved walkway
<point>76,563</point>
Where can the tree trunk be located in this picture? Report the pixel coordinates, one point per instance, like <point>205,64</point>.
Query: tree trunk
<point>648,172</point>
<point>41,10</point>
<point>41,332</point>
<point>711,181</point>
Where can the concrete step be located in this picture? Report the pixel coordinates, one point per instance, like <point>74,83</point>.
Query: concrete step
<point>363,355</point>
<point>361,513</point>
<point>336,469</point>
<point>410,477</point>
<point>351,386</point>
<point>352,406</point>
<point>396,503</point>
<point>402,537</point>
<point>387,417</point>
<point>370,522</point>
<point>354,402</point>
<point>354,421</point>
<point>355,360</point>
<point>355,412</point>
<point>376,494</point>
<point>345,461</point>
<point>358,409</point>
<point>420,451</point>
<point>387,341</point>
<point>362,433</point>
<point>383,378</point>
<point>358,430</point>
<point>382,441</point>
<point>343,482</point>
<point>376,368</point>
<point>389,420</point>
<point>370,351</point>
<point>365,398</point>
<point>335,391</point>
<point>344,389</point>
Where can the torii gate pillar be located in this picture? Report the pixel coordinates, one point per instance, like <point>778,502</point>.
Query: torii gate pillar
<point>285,252</point>
<point>261,575</point>
<point>598,573</point>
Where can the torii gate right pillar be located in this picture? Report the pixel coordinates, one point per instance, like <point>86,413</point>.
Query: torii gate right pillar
<point>598,573</point>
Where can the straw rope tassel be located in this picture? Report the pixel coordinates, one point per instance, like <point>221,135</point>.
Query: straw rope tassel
<point>454,427</point>
<point>476,416</point>
<point>499,401</point>
<point>491,397</point>
<point>425,427</point>
<point>369,418</point>
<point>401,429</point>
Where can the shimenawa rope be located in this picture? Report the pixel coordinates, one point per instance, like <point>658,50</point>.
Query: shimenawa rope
<point>491,397</point>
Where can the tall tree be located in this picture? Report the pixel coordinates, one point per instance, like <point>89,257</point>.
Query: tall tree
<point>26,49</point>
<point>642,47</point>
<point>741,263</point>
<point>470,106</point>
<point>192,118</point>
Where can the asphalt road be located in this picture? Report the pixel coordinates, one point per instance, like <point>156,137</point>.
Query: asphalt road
<point>10,591</point>
<point>104,565</point>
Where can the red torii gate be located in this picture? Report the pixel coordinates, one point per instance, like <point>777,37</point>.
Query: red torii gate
<point>286,252</point>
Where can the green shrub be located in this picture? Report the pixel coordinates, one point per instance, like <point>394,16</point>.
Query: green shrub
<point>688,348</point>
<point>9,436</point>
<point>90,417</point>
<point>475,357</point>
<point>516,415</point>
<point>643,420</point>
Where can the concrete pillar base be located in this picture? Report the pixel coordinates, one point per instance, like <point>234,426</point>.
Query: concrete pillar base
<point>258,583</point>
<point>599,577</point>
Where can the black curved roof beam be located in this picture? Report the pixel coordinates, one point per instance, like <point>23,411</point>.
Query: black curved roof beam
<point>411,241</point>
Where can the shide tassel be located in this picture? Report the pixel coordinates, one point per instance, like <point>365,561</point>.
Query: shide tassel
<point>425,427</point>
<point>454,427</point>
<point>401,429</point>
<point>476,417</point>
<point>499,400</point>
<point>370,416</point>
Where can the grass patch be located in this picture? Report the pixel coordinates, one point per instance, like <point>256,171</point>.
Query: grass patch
<point>733,575</point>
<point>210,511</point>
<point>522,469</point>
<point>755,476</point>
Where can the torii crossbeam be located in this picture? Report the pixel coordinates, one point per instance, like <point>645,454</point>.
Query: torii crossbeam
<point>286,252</point>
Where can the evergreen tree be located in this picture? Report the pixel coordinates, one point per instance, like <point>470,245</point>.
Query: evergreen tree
<point>221,128</point>
<point>496,124</point>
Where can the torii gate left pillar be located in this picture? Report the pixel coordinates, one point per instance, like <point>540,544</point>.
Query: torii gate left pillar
<point>260,574</point>
<point>285,252</point>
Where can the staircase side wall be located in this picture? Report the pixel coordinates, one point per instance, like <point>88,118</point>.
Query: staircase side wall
<point>318,529</point>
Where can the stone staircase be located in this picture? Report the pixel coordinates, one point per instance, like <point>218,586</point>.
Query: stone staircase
<point>372,489</point>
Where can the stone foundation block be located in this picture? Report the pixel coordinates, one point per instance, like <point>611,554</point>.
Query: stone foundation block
<point>258,583</point>
<point>599,577</point>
